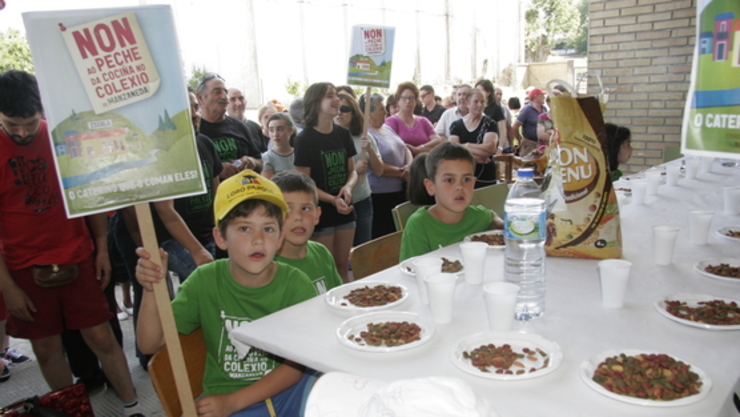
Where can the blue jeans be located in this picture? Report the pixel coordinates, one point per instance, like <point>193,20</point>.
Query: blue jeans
<point>364,222</point>
<point>289,403</point>
<point>180,260</point>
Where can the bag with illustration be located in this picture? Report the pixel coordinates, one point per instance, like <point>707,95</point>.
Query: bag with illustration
<point>584,217</point>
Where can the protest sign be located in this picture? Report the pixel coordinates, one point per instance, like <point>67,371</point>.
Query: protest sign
<point>371,56</point>
<point>711,124</point>
<point>115,100</point>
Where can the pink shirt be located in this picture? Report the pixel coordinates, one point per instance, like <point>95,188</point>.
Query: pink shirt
<point>417,135</point>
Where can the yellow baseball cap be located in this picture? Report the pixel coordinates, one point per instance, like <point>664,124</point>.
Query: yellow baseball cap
<point>246,185</point>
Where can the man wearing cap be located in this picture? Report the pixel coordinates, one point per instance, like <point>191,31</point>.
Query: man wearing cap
<point>235,145</point>
<point>527,119</point>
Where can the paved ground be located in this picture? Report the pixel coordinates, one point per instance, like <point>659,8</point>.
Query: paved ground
<point>26,381</point>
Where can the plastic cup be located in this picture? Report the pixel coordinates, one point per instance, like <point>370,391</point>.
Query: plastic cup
<point>424,267</point>
<point>699,226</point>
<point>494,271</point>
<point>653,181</point>
<point>500,299</point>
<point>692,168</point>
<point>614,274</point>
<point>639,188</point>
<point>441,287</point>
<point>474,260</point>
<point>706,163</point>
<point>672,173</point>
<point>664,239</point>
<point>732,199</point>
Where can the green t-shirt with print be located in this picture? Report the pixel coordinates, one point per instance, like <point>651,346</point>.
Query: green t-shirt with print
<point>318,265</point>
<point>423,233</point>
<point>211,299</point>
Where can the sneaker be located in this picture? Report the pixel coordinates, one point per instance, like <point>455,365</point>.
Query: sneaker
<point>14,356</point>
<point>5,375</point>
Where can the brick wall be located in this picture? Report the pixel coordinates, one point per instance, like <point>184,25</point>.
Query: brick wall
<point>643,50</point>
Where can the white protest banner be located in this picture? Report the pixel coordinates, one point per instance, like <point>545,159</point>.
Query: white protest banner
<point>711,124</point>
<point>371,56</point>
<point>115,100</point>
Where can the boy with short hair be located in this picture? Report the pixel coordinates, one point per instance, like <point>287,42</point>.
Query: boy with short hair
<point>447,174</point>
<point>311,257</point>
<point>219,296</point>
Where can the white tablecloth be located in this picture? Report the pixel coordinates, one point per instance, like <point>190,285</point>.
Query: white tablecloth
<point>574,318</point>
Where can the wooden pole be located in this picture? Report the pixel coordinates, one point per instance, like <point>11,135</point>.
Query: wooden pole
<point>166,317</point>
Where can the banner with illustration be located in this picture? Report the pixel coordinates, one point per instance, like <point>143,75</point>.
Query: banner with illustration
<point>117,107</point>
<point>371,56</point>
<point>711,125</point>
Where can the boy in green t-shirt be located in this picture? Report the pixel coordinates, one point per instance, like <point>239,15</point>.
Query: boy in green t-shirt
<point>313,258</point>
<point>447,175</point>
<point>219,296</point>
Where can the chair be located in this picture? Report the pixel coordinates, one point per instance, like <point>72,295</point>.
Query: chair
<point>401,214</point>
<point>375,255</point>
<point>492,197</point>
<point>504,167</point>
<point>671,152</point>
<point>160,371</point>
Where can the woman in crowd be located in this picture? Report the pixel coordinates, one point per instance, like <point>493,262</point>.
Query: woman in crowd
<point>416,131</point>
<point>391,105</point>
<point>620,148</point>
<point>280,157</point>
<point>388,188</point>
<point>325,152</point>
<point>350,117</point>
<point>263,115</point>
<point>478,133</point>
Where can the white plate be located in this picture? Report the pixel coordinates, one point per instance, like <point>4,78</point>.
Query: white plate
<point>692,300</point>
<point>518,341</point>
<point>469,238</point>
<point>733,262</point>
<point>723,233</point>
<point>335,297</point>
<point>358,324</point>
<point>407,266</point>
<point>587,372</point>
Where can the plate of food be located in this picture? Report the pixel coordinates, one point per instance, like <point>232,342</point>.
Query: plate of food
<point>506,356</point>
<point>494,238</point>
<point>730,233</point>
<point>723,269</point>
<point>700,310</point>
<point>385,331</point>
<point>366,296</point>
<point>449,264</point>
<point>623,375</point>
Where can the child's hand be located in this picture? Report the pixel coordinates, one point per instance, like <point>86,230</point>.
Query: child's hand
<point>214,406</point>
<point>147,272</point>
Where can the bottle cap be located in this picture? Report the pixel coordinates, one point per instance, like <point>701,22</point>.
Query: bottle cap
<point>525,173</point>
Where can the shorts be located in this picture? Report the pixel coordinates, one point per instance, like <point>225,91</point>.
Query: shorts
<point>328,231</point>
<point>291,402</point>
<point>80,304</point>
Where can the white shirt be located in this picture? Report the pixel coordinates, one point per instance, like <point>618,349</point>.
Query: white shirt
<point>444,123</point>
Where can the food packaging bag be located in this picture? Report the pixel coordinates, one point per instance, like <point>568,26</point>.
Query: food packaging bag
<point>588,224</point>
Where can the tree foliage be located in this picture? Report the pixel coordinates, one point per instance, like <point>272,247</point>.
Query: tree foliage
<point>196,74</point>
<point>14,52</point>
<point>549,23</point>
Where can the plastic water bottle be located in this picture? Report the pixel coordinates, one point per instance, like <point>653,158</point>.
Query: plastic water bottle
<point>524,228</point>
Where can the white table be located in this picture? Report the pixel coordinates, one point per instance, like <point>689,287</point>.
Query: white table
<point>574,318</point>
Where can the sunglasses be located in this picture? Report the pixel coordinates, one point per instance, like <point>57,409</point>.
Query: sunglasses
<point>345,109</point>
<point>209,76</point>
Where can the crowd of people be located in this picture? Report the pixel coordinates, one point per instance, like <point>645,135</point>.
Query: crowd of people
<point>322,180</point>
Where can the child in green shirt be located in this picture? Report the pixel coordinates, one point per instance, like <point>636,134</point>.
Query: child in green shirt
<point>311,257</point>
<point>219,296</point>
<point>446,174</point>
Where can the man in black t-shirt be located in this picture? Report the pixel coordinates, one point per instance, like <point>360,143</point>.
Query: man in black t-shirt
<point>431,110</point>
<point>237,149</point>
<point>236,109</point>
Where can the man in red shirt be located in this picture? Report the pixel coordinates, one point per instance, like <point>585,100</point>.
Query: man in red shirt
<point>36,233</point>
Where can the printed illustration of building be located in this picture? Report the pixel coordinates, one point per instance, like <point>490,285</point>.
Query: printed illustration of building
<point>722,28</point>
<point>736,44</point>
<point>94,144</point>
<point>705,42</point>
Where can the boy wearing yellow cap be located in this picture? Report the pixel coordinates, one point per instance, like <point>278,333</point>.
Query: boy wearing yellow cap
<point>219,296</point>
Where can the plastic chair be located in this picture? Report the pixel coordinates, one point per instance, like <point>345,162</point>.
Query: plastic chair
<point>375,255</point>
<point>160,371</point>
<point>492,197</point>
<point>401,214</point>
<point>671,152</point>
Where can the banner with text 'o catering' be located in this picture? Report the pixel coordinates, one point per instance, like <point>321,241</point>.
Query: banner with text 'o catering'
<point>371,56</point>
<point>116,104</point>
<point>711,125</point>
